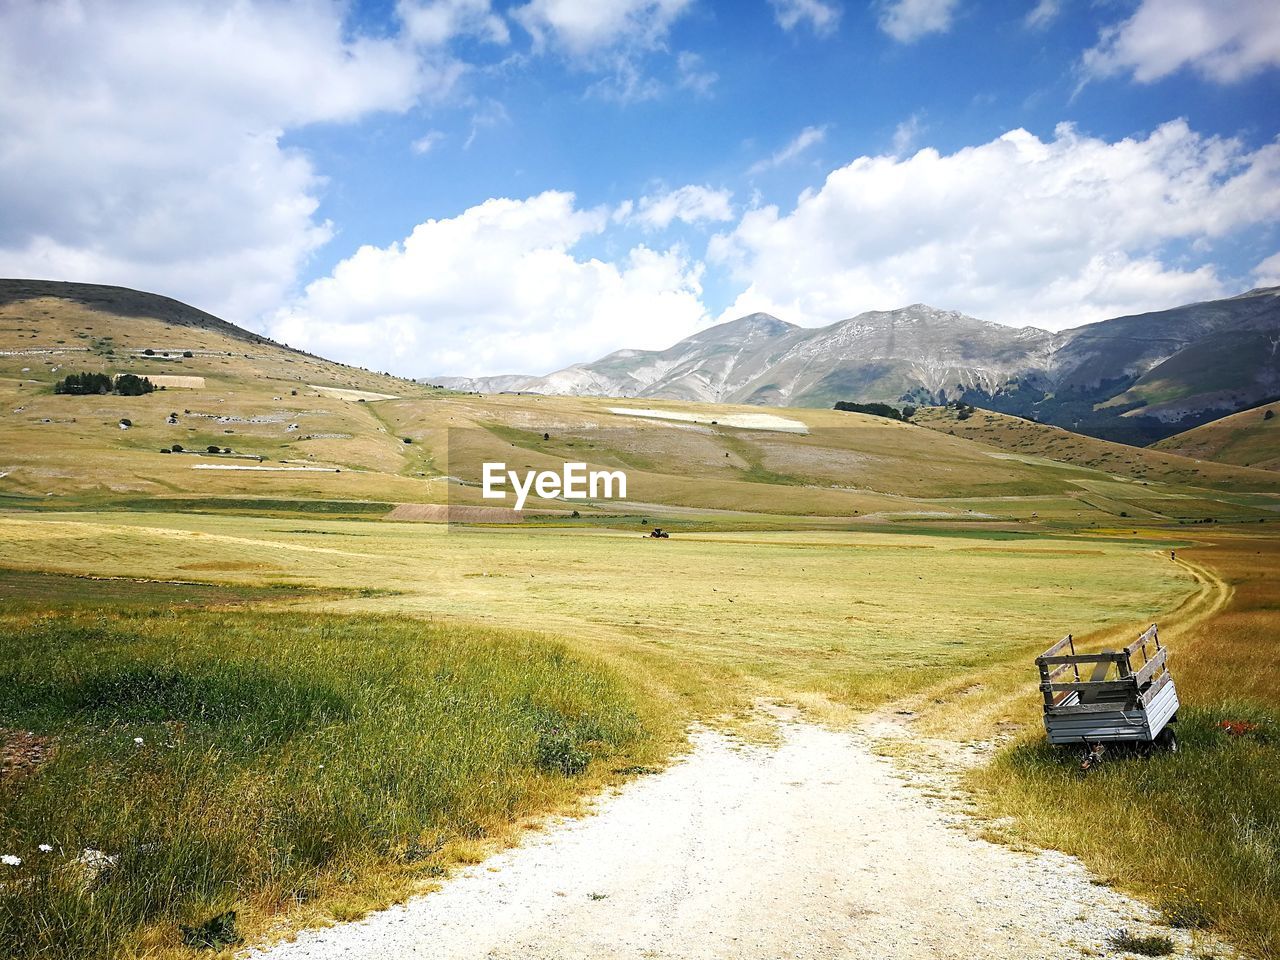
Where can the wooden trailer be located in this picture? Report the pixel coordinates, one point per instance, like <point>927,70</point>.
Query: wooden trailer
<point>1119,701</point>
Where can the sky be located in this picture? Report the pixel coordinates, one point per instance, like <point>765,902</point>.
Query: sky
<point>468,187</point>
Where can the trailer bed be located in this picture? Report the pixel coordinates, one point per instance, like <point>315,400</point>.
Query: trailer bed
<point>1117,702</point>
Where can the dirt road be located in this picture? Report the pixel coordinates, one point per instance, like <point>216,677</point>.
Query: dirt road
<point>812,848</point>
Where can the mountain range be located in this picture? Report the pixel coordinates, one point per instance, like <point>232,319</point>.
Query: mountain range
<point>1134,378</point>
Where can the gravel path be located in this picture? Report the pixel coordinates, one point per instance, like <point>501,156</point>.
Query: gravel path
<point>813,848</point>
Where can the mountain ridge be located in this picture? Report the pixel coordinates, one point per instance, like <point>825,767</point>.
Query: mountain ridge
<point>1114,378</point>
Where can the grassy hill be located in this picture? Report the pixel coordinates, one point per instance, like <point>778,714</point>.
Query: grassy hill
<point>297,432</point>
<point>222,386</point>
<point>1157,482</point>
<point>1249,438</point>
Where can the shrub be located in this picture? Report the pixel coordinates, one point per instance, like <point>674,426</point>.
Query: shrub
<point>126,422</point>
<point>188,354</point>
<point>874,409</point>
<point>559,752</point>
<point>82,384</point>
<point>213,448</point>
<point>1268,415</point>
<point>149,352</point>
<point>1156,945</point>
<point>177,448</point>
<point>408,439</point>
<point>131,385</point>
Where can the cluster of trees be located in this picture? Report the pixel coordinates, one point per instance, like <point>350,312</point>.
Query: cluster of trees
<point>877,410</point>
<point>963,410</point>
<point>84,384</point>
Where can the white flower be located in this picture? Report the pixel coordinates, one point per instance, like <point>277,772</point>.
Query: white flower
<point>9,860</point>
<point>138,741</point>
<point>45,848</point>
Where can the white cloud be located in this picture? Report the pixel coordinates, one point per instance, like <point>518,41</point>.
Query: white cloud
<point>497,289</point>
<point>906,133</point>
<point>1225,40</point>
<point>586,28</point>
<point>1267,273</point>
<point>1054,233</point>
<point>690,204</point>
<point>141,141</point>
<point>436,22</point>
<point>823,18</point>
<point>485,115</point>
<point>427,142</point>
<point>1043,14</point>
<point>806,138</point>
<point>612,39</point>
<point>909,20</point>
<point>690,74</point>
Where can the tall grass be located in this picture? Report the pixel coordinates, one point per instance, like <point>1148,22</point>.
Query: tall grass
<point>255,761</point>
<point>1197,831</point>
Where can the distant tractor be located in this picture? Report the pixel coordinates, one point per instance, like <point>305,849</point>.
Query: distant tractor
<point>657,533</point>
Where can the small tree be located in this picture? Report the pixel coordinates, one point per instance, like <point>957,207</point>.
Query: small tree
<point>149,352</point>
<point>177,448</point>
<point>213,448</point>
<point>1268,415</point>
<point>188,354</point>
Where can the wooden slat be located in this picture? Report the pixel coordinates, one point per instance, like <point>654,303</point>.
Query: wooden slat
<point>1148,635</point>
<point>1118,706</point>
<point>1156,687</point>
<point>1153,665</point>
<point>1065,641</point>
<point>1092,686</point>
<point>1106,656</point>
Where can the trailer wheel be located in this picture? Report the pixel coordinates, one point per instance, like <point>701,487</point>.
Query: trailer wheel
<point>1167,740</point>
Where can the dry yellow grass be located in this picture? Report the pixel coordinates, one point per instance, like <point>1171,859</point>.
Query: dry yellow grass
<point>1248,439</point>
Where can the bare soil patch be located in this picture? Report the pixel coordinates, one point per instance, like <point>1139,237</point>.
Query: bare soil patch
<point>21,753</point>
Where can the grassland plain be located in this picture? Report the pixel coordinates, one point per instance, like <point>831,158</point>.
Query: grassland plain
<point>363,752</point>
<point>834,612</point>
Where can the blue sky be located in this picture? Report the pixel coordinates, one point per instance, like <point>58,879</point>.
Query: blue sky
<point>467,186</point>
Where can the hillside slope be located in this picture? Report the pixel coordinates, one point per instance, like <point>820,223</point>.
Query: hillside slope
<point>1249,438</point>
<point>222,386</point>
